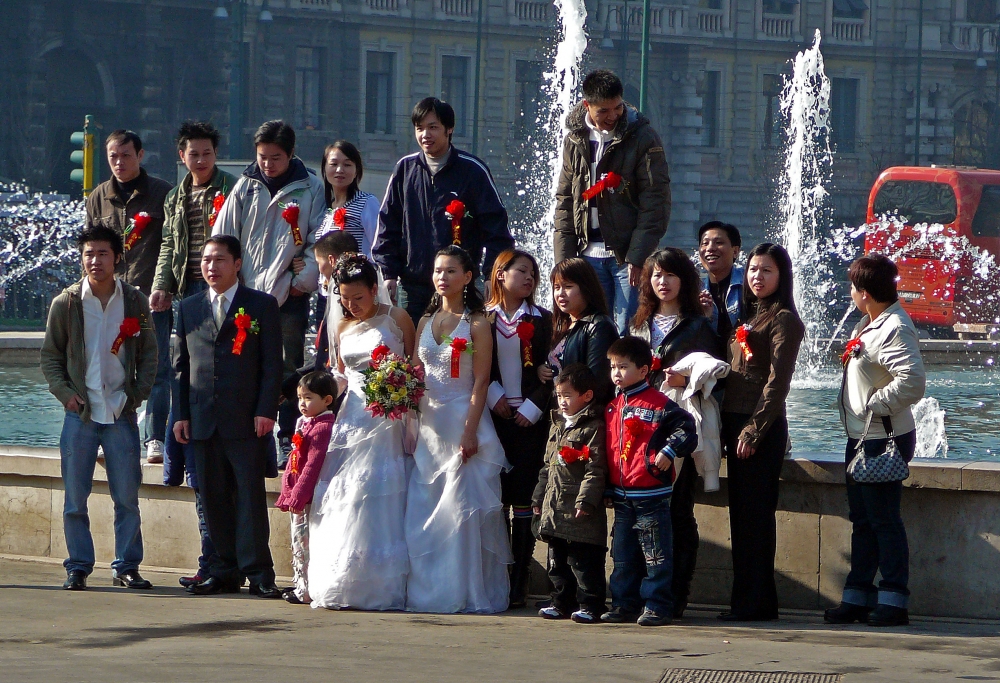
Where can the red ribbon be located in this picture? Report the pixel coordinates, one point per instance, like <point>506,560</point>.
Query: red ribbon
<point>525,332</point>
<point>243,324</point>
<point>608,181</point>
<point>633,428</point>
<point>458,346</point>
<point>570,454</point>
<point>134,232</point>
<point>340,218</point>
<point>741,337</point>
<point>293,457</point>
<point>129,328</point>
<point>217,201</point>
<point>853,348</point>
<point>455,211</point>
<point>291,216</point>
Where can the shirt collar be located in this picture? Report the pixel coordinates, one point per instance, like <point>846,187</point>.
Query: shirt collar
<point>229,293</point>
<point>525,309</point>
<point>87,293</point>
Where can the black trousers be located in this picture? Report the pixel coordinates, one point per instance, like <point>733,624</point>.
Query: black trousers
<point>231,479</point>
<point>685,528</point>
<point>753,500</point>
<point>525,450</point>
<point>577,574</point>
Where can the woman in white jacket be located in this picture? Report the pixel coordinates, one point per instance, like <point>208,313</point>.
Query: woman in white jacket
<point>883,377</point>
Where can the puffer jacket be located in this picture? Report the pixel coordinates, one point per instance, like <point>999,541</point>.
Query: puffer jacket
<point>885,376</point>
<point>563,488</point>
<point>172,266</point>
<point>252,215</point>
<point>634,217</point>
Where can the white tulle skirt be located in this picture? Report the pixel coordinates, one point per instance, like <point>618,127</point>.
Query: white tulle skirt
<point>455,532</point>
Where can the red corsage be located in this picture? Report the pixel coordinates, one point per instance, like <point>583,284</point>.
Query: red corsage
<point>525,332</point>
<point>243,324</point>
<point>459,345</point>
<point>217,201</point>
<point>455,211</point>
<point>290,212</point>
<point>570,454</point>
<point>135,227</point>
<point>609,181</point>
<point>293,457</point>
<point>633,428</point>
<point>852,350</point>
<point>657,364</point>
<point>741,338</point>
<point>340,218</point>
<point>129,328</point>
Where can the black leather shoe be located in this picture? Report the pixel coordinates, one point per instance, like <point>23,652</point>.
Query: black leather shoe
<point>188,581</point>
<point>76,580</point>
<point>265,590</point>
<point>130,579</point>
<point>887,615</point>
<point>846,613</point>
<point>289,596</point>
<point>679,607</point>
<point>213,586</point>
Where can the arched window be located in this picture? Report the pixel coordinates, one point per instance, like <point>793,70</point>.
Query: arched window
<point>975,132</point>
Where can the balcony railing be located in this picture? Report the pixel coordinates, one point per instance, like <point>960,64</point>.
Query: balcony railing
<point>711,21</point>
<point>663,20</point>
<point>848,30</point>
<point>384,6</point>
<point>777,25</point>
<point>974,37</point>
<point>455,9</point>
<point>528,13</point>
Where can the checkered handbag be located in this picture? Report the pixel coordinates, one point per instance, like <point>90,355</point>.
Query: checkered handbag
<point>887,466</point>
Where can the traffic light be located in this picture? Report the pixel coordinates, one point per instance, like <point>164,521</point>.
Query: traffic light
<point>86,156</point>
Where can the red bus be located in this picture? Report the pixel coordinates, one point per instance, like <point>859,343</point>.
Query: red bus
<point>938,285</point>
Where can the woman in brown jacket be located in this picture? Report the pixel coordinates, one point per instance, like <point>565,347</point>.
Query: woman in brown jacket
<point>762,353</point>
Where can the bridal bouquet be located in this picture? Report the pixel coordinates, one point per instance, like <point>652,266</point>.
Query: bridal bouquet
<point>393,386</point>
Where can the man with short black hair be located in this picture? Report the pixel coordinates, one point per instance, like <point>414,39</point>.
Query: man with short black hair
<point>613,194</point>
<point>415,221</point>
<point>275,210</point>
<point>718,249</point>
<point>99,359</point>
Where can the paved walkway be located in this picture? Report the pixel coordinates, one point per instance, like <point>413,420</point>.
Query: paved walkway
<point>164,635</point>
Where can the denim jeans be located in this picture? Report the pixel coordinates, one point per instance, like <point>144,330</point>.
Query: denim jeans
<point>158,405</point>
<point>78,450</point>
<point>878,537</point>
<point>622,300</point>
<point>642,550</point>
<point>294,321</point>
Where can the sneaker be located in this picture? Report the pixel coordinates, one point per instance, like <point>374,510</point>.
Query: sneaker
<point>619,616</point>
<point>584,616</point>
<point>100,454</point>
<point>551,613</point>
<point>651,618</point>
<point>846,613</point>
<point>887,615</point>
<point>154,452</point>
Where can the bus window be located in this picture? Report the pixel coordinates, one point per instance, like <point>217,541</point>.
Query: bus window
<point>917,201</point>
<point>986,222</point>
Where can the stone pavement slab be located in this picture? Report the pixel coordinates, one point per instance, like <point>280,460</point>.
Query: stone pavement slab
<point>166,636</point>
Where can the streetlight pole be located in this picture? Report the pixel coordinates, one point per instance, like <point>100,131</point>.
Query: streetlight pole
<point>920,68</point>
<point>644,63</point>
<point>479,57</point>
<point>236,82</point>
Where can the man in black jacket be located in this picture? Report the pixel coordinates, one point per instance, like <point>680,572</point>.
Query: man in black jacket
<point>228,367</point>
<point>415,221</point>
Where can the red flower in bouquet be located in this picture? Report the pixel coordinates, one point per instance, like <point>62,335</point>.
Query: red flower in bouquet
<point>379,353</point>
<point>633,428</point>
<point>244,324</point>
<point>217,201</point>
<point>290,212</point>
<point>133,232</point>
<point>455,211</point>
<point>526,332</point>
<point>129,328</point>
<point>853,349</point>
<point>609,181</point>
<point>340,218</point>
<point>571,455</point>
<point>393,386</point>
<point>741,338</point>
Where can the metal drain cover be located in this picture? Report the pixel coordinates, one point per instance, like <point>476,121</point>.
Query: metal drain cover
<point>716,676</point>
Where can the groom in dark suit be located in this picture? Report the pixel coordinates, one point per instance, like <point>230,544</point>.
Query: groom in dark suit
<point>228,365</point>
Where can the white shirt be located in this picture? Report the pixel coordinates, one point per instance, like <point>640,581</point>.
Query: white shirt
<point>105,371</point>
<point>508,352</point>
<point>229,294</point>
<point>603,139</point>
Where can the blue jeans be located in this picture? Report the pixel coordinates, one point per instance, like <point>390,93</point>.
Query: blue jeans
<point>878,537</point>
<point>622,300</point>
<point>158,405</point>
<point>78,450</point>
<point>642,550</point>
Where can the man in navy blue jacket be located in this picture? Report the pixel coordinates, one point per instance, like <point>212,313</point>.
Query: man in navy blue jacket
<point>415,221</point>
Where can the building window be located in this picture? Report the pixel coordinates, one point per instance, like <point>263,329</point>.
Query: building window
<point>528,90</point>
<point>709,92</point>
<point>849,9</point>
<point>307,79</point>
<point>779,6</point>
<point>844,114</point>
<point>981,11</point>
<point>455,89</point>
<point>379,88</point>
<point>773,127</point>
<point>974,131</point>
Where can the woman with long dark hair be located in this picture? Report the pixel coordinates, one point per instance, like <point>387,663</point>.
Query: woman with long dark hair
<point>762,350</point>
<point>348,207</point>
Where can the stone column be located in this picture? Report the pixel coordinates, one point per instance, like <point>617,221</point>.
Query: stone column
<point>684,155</point>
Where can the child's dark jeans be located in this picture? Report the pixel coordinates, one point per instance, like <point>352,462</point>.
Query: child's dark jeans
<point>642,550</point>
<point>577,574</point>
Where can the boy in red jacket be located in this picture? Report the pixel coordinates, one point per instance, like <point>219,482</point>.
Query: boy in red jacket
<point>648,437</point>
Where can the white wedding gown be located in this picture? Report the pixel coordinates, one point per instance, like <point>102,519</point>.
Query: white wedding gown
<point>455,530</point>
<point>357,549</point>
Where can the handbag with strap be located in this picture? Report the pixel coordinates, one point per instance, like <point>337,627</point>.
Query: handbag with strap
<point>887,466</point>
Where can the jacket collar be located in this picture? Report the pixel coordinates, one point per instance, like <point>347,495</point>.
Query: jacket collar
<point>218,182</point>
<point>298,169</point>
<point>576,122</point>
<point>634,389</point>
<point>141,187</point>
<point>895,309</point>
<point>588,413</point>
<point>453,153</point>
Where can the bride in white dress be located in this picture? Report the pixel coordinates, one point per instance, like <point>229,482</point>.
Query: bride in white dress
<point>455,530</point>
<point>357,548</point>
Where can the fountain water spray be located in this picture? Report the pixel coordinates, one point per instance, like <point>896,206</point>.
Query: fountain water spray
<point>36,240</point>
